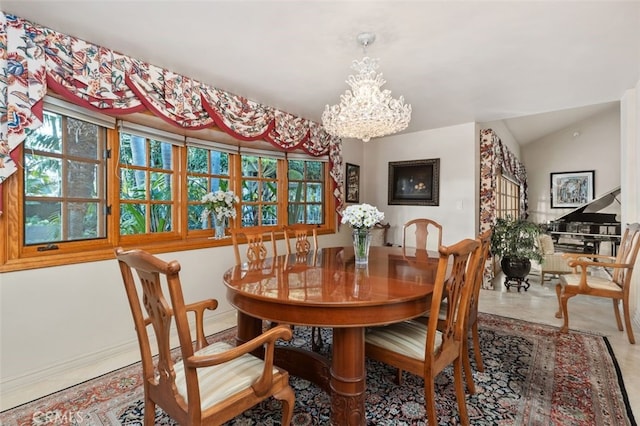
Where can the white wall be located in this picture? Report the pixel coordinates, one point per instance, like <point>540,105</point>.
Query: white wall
<point>458,148</point>
<point>596,147</point>
<point>630,178</point>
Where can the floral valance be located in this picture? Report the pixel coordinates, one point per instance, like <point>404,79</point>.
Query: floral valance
<point>34,59</point>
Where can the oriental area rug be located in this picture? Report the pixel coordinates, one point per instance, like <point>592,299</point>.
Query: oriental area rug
<point>533,376</point>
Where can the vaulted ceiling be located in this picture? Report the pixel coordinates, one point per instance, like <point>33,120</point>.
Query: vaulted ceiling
<point>453,61</point>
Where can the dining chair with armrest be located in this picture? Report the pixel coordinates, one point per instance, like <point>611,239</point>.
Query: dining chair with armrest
<point>615,285</point>
<point>425,229</point>
<point>427,349</point>
<point>211,383</point>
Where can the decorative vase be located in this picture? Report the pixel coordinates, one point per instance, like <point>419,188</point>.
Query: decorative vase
<point>361,243</point>
<point>219,226</point>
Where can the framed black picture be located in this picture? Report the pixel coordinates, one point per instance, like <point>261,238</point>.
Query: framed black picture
<point>572,189</point>
<point>352,183</point>
<point>415,182</point>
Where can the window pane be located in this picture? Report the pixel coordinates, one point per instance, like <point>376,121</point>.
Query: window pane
<point>269,167</point>
<point>250,215</point>
<point>160,218</point>
<point>219,163</point>
<point>314,192</point>
<point>83,221</point>
<point>197,160</point>
<point>132,219</point>
<point>84,180</point>
<point>296,169</point>
<point>161,155</point>
<point>270,215</point>
<point>296,213</point>
<point>160,186</point>
<point>83,139</point>
<point>133,184</point>
<point>314,213</point>
<point>195,217</point>
<point>133,150</point>
<point>315,170</point>
<point>197,187</point>
<point>269,192</point>
<point>42,222</point>
<point>250,190</point>
<point>43,175</point>
<point>249,166</point>
<point>295,191</point>
<point>47,137</point>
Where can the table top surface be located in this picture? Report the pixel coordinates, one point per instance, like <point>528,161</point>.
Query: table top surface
<point>330,277</point>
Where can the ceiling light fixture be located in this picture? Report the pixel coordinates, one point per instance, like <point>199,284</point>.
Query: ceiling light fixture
<point>366,112</point>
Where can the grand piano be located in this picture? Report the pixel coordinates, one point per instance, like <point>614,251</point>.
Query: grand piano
<point>583,229</point>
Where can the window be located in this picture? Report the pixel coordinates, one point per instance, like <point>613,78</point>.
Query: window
<point>306,191</point>
<point>259,200</point>
<point>64,181</point>
<point>508,198</point>
<point>207,171</point>
<point>147,202</point>
<point>88,186</point>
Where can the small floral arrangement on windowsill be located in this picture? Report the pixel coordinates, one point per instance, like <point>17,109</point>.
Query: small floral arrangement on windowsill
<point>219,203</point>
<point>362,216</point>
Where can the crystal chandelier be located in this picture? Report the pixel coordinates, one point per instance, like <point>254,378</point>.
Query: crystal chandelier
<point>365,111</point>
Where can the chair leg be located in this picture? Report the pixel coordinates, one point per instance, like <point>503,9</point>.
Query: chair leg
<point>616,311</point>
<point>149,412</point>
<point>316,339</point>
<point>430,400</point>
<point>467,366</point>
<point>476,346</point>
<point>627,320</point>
<point>562,302</point>
<point>460,396</point>
<point>288,399</point>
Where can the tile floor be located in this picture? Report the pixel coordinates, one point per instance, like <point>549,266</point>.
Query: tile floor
<point>539,304</point>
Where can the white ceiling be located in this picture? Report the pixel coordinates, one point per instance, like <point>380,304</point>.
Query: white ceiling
<point>453,61</point>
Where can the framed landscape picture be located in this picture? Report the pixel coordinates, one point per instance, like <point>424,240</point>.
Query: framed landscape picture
<point>572,189</point>
<point>352,183</point>
<point>415,182</point>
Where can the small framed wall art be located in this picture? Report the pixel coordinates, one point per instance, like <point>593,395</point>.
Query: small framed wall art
<point>352,183</point>
<point>415,182</point>
<point>572,189</point>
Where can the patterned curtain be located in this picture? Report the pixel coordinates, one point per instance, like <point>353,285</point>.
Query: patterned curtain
<point>35,58</point>
<point>494,159</point>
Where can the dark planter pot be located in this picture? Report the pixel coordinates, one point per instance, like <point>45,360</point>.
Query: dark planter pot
<point>515,268</point>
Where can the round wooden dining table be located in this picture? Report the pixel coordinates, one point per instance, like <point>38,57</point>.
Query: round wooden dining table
<point>326,289</point>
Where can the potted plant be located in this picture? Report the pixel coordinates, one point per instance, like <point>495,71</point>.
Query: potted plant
<point>515,241</point>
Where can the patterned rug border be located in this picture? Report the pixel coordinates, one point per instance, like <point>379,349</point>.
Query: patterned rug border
<point>490,322</point>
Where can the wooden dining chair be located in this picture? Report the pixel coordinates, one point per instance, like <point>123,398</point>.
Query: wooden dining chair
<point>426,349</point>
<point>299,235</point>
<point>424,230</point>
<point>612,280</point>
<point>256,239</point>
<point>205,383</point>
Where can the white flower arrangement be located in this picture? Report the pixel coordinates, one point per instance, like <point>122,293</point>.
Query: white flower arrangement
<point>361,216</point>
<point>220,203</point>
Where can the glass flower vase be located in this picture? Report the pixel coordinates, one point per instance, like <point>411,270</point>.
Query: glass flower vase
<point>219,226</point>
<point>361,243</point>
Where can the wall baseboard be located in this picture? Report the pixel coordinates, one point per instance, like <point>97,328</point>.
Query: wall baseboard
<point>18,390</point>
